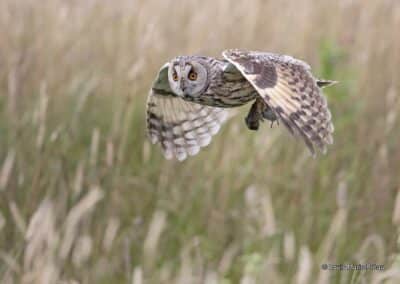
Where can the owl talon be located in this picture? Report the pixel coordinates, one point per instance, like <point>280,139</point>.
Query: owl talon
<point>269,114</point>
<point>272,123</point>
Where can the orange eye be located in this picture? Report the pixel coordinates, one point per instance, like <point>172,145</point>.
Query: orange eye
<point>192,76</point>
<point>175,76</point>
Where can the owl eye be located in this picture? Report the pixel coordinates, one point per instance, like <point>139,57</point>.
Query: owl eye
<point>192,75</point>
<point>175,76</point>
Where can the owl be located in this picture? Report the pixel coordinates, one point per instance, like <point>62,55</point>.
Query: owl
<point>190,98</point>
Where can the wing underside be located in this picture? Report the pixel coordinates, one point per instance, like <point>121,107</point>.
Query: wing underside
<point>181,127</point>
<point>288,87</point>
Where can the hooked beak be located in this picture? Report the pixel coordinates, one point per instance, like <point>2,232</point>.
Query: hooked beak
<point>182,86</point>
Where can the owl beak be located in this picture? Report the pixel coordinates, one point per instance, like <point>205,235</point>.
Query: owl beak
<point>182,86</point>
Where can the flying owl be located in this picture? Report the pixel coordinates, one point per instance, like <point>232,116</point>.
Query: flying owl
<point>189,99</point>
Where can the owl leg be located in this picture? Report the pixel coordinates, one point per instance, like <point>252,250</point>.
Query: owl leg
<point>255,115</point>
<point>258,112</point>
<point>269,114</point>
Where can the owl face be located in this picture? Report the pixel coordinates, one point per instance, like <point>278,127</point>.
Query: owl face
<point>187,77</point>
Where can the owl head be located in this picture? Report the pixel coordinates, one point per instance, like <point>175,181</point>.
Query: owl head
<point>188,76</point>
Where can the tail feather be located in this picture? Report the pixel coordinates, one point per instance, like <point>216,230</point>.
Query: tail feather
<point>325,83</point>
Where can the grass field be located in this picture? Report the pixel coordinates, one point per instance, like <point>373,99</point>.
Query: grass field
<point>85,198</point>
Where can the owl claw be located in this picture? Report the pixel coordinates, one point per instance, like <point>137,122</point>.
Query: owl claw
<point>258,112</point>
<point>272,123</point>
<point>269,114</point>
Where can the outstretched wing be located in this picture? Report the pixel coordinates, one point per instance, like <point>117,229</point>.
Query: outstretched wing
<point>288,87</point>
<point>179,126</point>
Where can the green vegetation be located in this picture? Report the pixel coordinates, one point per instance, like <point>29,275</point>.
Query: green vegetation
<point>85,198</point>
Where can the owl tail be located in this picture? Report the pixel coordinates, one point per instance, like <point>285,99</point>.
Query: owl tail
<point>325,83</point>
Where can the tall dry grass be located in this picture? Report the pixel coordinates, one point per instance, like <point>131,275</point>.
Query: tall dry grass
<point>84,197</point>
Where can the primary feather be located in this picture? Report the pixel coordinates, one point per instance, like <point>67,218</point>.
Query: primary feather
<point>287,85</point>
<point>179,126</point>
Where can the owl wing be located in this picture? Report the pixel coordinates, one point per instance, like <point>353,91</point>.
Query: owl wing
<point>179,126</point>
<point>288,87</point>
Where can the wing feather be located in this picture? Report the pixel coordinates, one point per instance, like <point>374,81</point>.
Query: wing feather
<point>288,87</point>
<point>182,128</point>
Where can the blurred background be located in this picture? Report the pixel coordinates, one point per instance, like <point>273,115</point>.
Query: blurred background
<point>85,198</point>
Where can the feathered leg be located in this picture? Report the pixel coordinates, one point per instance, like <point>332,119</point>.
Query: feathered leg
<point>269,114</point>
